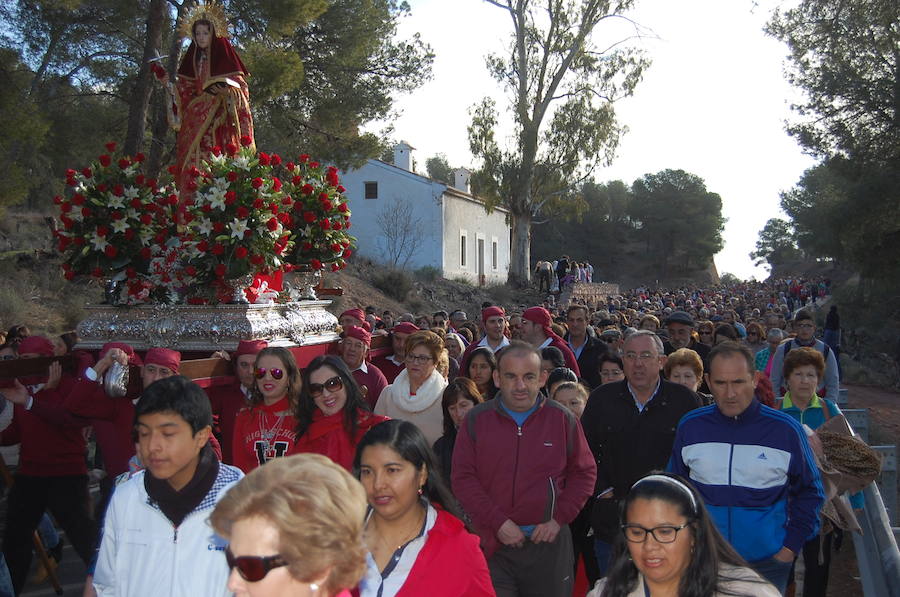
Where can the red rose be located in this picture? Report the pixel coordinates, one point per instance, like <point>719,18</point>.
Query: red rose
<point>287,201</point>
<point>276,184</point>
<point>188,217</point>
<point>258,203</point>
<point>217,249</point>
<point>160,238</point>
<point>257,182</point>
<point>218,227</point>
<point>340,188</point>
<point>315,263</point>
<point>129,234</point>
<point>135,203</point>
<point>217,150</point>
<point>139,179</point>
<point>343,208</point>
<point>110,251</point>
<point>69,173</point>
<point>307,246</point>
<point>272,224</point>
<point>78,241</point>
<point>335,248</point>
<point>345,243</point>
<point>323,196</point>
<point>230,149</point>
<point>242,212</point>
<point>151,183</point>
<point>139,157</point>
<point>337,226</point>
<point>326,205</point>
<point>118,190</point>
<point>202,246</point>
<point>285,219</point>
<point>273,207</point>
<point>172,199</point>
<point>332,170</point>
<point>290,166</point>
<point>97,272</point>
<point>190,270</point>
<point>194,172</point>
<point>105,160</point>
<point>65,207</point>
<point>191,185</point>
<point>232,176</point>
<point>63,243</point>
<point>173,170</point>
<point>347,225</point>
<point>307,189</point>
<point>131,272</point>
<point>309,217</point>
<point>246,141</point>
<point>146,219</point>
<point>230,197</point>
<point>335,267</point>
<point>220,270</point>
<point>86,212</point>
<point>116,215</point>
<point>77,199</point>
<point>263,158</point>
<point>102,187</point>
<point>257,259</point>
<point>71,182</point>
<point>297,179</point>
<point>332,178</point>
<point>248,233</point>
<point>240,252</point>
<point>111,146</point>
<point>346,253</point>
<point>287,267</point>
<point>124,163</point>
<point>145,254</point>
<point>69,275</point>
<point>87,173</point>
<point>303,158</point>
<point>206,208</point>
<point>314,164</point>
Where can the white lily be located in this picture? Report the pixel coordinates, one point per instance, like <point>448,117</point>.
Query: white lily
<point>204,226</point>
<point>100,243</point>
<point>132,192</point>
<point>238,228</point>
<point>119,226</point>
<point>114,202</point>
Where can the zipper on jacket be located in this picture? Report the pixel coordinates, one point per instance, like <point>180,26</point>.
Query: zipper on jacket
<point>519,430</point>
<point>730,465</point>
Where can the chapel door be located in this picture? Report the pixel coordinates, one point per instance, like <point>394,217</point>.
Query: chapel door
<point>481,280</point>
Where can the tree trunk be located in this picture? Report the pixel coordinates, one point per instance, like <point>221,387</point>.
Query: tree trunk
<point>140,99</point>
<point>520,254</point>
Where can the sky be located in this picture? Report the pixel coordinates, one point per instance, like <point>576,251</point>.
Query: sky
<point>713,102</point>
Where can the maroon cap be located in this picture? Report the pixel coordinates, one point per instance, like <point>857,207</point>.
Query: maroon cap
<point>359,333</point>
<point>36,345</point>
<point>405,327</point>
<point>357,313</point>
<point>539,316</point>
<point>249,347</point>
<point>133,357</point>
<point>164,357</point>
<point>489,312</point>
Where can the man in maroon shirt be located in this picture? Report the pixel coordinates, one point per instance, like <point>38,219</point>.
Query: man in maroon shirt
<point>227,400</point>
<point>354,350</point>
<point>393,364</point>
<point>52,474</point>
<point>536,331</point>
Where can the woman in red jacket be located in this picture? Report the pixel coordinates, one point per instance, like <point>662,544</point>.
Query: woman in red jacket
<point>332,414</point>
<point>417,543</point>
<point>265,429</point>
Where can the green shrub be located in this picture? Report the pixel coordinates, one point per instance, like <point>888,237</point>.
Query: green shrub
<point>12,306</point>
<point>394,283</point>
<point>428,273</point>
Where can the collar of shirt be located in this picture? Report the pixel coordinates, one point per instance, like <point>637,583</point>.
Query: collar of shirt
<point>640,406</point>
<point>394,360</point>
<point>788,403</point>
<point>578,350</point>
<point>546,342</point>
<point>504,341</point>
<point>362,368</point>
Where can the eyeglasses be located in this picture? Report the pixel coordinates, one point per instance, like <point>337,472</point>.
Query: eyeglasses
<point>419,359</point>
<point>635,533</point>
<point>275,373</point>
<point>253,568</point>
<point>644,356</point>
<point>610,373</point>
<point>335,384</point>
<point>8,357</point>
<point>806,326</point>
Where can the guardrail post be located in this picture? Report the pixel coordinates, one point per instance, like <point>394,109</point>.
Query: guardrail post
<point>887,480</point>
<point>843,398</point>
<point>859,421</point>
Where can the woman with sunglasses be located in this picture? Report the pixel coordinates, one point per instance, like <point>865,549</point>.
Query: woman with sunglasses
<point>415,395</point>
<point>417,542</point>
<point>669,545</point>
<point>293,528</point>
<point>332,415</point>
<point>265,429</point>
<point>705,331</point>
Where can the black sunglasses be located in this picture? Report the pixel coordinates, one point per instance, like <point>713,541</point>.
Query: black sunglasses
<point>335,384</point>
<point>276,373</point>
<point>253,568</point>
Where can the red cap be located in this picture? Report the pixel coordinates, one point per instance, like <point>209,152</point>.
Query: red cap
<point>133,357</point>
<point>357,313</point>
<point>249,347</point>
<point>359,333</point>
<point>405,327</point>
<point>163,357</point>
<point>367,326</point>
<point>489,312</point>
<point>36,345</point>
<point>538,316</point>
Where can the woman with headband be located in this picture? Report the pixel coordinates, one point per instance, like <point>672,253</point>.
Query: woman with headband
<point>670,546</point>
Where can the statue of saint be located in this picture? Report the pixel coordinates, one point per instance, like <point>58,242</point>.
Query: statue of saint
<point>211,102</point>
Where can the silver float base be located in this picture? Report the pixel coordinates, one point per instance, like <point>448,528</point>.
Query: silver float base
<point>207,327</point>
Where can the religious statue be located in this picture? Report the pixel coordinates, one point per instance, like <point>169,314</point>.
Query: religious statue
<point>210,99</point>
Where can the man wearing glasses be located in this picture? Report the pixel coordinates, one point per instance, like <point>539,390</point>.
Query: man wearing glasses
<point>805,326</point>
<point>630,426</point>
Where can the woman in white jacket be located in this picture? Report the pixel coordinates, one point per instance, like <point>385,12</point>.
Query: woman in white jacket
<point>669,546</point>
<point>415,395</point>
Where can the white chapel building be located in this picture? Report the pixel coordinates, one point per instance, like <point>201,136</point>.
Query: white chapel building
<point>411,221</point>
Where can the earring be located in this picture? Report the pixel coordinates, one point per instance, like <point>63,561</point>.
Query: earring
<point>313,587</point>
<point>421,490</point>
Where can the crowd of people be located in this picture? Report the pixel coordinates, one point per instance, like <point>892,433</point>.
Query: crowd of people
<point>656,438</point>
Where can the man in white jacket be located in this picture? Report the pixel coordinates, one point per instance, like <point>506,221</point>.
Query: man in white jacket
<point>156,536</point>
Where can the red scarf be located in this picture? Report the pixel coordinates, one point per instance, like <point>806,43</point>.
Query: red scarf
<point>327,436</point>
<point>223,60</point>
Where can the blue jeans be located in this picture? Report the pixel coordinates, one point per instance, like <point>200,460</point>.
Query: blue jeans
<point>49,534</point>
<point>775,571</point>
<point>6,587</point>
<point>603,551</point>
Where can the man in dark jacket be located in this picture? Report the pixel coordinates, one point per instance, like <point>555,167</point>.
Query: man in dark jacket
<point>523,470</point>
<point>630,426</point>
<point>584,344</point>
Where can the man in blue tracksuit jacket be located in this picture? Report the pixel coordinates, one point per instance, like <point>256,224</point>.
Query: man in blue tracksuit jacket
<point>753,467</point>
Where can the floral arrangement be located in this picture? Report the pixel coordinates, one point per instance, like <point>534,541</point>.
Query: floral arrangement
<point>243,215</point>
<point>321,214</point>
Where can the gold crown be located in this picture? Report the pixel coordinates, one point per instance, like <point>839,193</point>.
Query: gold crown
<point>210,11</point>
